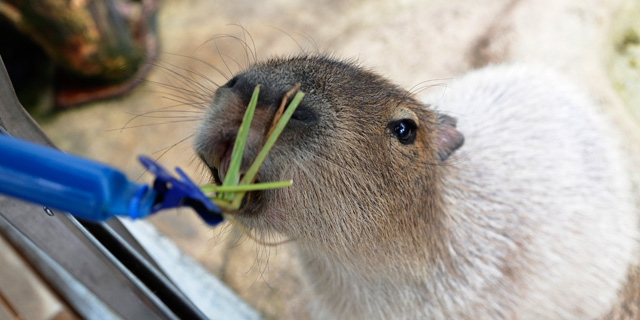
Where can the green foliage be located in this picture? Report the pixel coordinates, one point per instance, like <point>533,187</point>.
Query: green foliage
<point>229,195</point>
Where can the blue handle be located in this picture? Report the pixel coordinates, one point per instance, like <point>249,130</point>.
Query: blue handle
<point>84,188</point>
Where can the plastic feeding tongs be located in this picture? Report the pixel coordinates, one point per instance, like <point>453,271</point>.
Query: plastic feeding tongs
<point>90,190</point>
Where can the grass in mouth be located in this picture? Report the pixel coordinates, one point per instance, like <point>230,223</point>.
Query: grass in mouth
<point>228,196</point>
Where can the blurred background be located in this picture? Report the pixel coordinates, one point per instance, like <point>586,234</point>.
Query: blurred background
<point>176,52</point>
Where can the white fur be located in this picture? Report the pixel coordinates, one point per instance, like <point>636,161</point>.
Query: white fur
<point>546,193</point>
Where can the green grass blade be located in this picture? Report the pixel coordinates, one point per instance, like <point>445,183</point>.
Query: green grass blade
<point>253,170</point>
<point>229,195</point>
<point>238,147</point>
<point>249,187</point>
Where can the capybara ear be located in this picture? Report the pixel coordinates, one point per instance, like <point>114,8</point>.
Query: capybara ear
<point>448,138</point>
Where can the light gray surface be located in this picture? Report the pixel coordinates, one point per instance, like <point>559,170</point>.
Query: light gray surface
<point>208,293</point>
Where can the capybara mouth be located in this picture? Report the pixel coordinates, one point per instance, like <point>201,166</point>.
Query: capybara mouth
<point>218,174</point>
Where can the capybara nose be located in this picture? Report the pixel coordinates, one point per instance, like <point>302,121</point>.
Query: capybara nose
<point>271,90</point>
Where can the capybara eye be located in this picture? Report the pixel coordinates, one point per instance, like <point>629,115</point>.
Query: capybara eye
<point>404,130</point>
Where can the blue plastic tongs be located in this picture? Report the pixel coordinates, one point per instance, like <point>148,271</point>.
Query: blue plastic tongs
<point>90,190</point>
